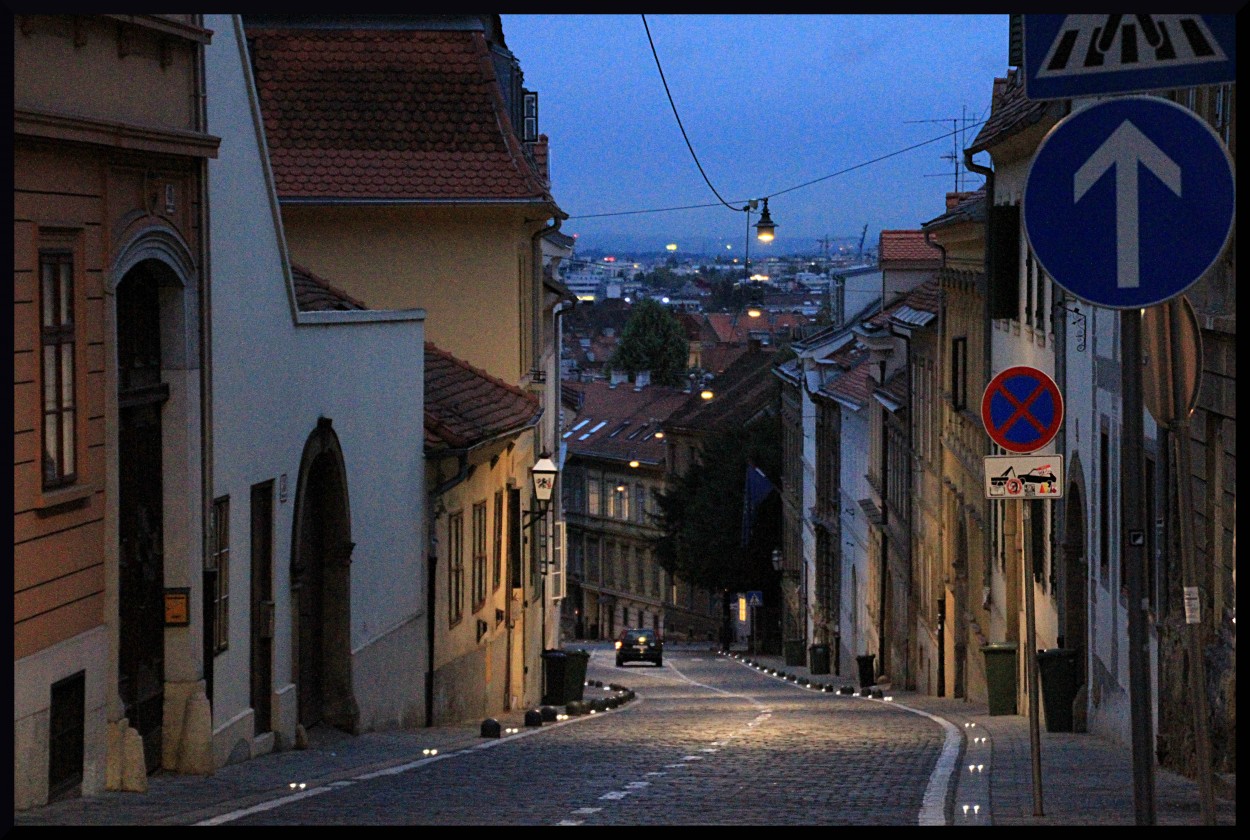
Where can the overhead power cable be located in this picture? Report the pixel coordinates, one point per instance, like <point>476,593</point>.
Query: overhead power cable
<point>787,189</point>
<point>673,104</point>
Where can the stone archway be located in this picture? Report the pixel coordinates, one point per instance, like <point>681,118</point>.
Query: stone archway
<point>1076,569</point>
<point>321,553</point>
<point>960,609</point>
<point>153,323</point>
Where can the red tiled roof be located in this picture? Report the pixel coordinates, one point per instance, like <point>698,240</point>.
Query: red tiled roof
<point>907,246</point>
<point>855,386</point>
<point>465,405</point>
<point>926,297</point>
<point>745,389</point>
<point>314,294</point>
<point>392,114</point>
<point>619,423</point>
<point>1010,112</point>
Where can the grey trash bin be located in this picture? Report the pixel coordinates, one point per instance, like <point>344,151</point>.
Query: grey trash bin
<point>867,675</point>
<point>1060,682</point>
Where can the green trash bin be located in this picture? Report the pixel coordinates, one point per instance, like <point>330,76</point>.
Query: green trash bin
<point>1060,682</point>
<point>575,674</point>
<point>555,671</point>
<point>564,676</point>
<point>1000,677</point>
<point>795,655</point>
<point>818,659</point>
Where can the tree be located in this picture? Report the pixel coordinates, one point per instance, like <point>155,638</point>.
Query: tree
<point>701,513</point>
<point>653,339</point>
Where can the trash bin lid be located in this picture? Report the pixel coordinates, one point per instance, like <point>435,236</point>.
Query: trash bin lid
<point>1011,646</point>
<point>1056,653</point>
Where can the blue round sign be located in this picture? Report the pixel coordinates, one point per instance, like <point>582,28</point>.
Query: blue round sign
<point>1129,201</point>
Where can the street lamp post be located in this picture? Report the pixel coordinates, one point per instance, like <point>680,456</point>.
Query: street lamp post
<point>543,478</point>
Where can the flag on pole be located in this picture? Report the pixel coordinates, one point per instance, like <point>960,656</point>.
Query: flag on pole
<point>757,489</point>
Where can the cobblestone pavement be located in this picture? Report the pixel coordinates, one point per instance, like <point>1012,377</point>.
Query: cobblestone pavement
<point>708,740</point>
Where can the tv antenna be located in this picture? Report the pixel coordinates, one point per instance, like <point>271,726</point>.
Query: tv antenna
<point>959,128</point>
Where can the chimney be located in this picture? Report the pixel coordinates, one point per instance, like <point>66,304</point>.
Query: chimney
<point>539,149</point>
<point>618,376</point>
<point>642,379</point>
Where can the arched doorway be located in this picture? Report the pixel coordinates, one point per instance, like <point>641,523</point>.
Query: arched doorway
<point>959,609</point>
<point>141,394</point>
<point>321,553</point>
<point>1075,578</point>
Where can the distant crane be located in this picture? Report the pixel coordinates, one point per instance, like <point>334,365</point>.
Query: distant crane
<point>862,234</point>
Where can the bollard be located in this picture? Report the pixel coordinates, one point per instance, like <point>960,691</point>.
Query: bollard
<point>491,728</point>
<point>548,713</point>
<point>533,717</point>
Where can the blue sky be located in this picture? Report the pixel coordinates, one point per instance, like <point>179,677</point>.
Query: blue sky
<point>769,102</point>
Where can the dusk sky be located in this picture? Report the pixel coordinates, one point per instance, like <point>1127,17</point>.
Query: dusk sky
<point>769,102</point>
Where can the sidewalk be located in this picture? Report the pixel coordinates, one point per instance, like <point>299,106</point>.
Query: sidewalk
<point>1085,779</point>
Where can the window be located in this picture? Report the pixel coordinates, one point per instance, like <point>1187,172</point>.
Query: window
<point>455,568</point>
<point>1030,280</point>
<point>959,373</point>
<point>594,568</point>
<point>497,569</point>
<point>479,554</point>
<point>609,564</point>
<point>622,501</point>
<point>640,503</point>
<point>217,574</point>
<point>56,339</point>
<point>593,489</point>
<point>1037,539</point>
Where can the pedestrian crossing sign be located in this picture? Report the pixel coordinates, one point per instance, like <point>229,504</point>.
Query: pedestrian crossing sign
<point>755,598</point>
<point>1068,56</point>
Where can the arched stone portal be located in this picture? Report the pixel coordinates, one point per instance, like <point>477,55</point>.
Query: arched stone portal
<point>321,554</point>
<point>1076,570</point>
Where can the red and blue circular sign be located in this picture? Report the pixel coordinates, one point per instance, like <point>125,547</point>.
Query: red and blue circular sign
<point>1022,409</point>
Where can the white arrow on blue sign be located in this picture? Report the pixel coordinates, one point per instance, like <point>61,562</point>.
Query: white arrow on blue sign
<point>1129,201</point>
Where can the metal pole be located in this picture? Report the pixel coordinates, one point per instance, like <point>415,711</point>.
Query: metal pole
<point>1132,550</point>
<point>1030,662</point>
<point>1189,577</point>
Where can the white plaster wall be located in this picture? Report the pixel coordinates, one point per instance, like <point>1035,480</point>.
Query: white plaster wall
<point>854,484</point>
<point>272,379</point>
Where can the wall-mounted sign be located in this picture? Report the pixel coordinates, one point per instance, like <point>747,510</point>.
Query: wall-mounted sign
<point>177,606</point>
<point>1023,476</point>
<point>1022,409</point>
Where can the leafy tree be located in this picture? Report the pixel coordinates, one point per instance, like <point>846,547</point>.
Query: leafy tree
<point>701,513</point>
<point>653,339</point>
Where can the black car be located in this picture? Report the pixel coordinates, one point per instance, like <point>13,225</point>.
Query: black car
<point>639,646</point>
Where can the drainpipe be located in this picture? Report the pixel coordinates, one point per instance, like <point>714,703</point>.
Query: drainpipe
<point>940,616</point>
<point>988,174</point>
<point>462,456</point>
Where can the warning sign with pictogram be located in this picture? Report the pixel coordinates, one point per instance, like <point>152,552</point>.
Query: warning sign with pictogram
<point>1023,476</point>
<point>1069,56</point>
<point>1022,409</point>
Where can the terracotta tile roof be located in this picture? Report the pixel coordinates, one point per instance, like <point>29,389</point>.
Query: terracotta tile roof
<point>390,114</point>
<point>893,394</point>
<point>925,298</point>
<point>1010,112</point>
<point>744,390</point>
<point>718,358</point>
<point>314,294</point>
<point>619,423</point>
<point>855,385</point>
<point>909,247</point>
<point>465,405</point>
<point>969,209</point>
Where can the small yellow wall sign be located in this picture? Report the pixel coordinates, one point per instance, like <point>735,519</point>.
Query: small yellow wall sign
<point>178,606</point>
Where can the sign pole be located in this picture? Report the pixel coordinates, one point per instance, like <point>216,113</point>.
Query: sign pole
<point>1030,660</point>
<point>1132,550</point>
<point>1189,578</point>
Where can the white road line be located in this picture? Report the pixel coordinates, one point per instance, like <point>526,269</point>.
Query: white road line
<point>615,794</point>
<point>570,822</point>
<point>264,806</point>
<point>587,810</point>
<point>637,785</point>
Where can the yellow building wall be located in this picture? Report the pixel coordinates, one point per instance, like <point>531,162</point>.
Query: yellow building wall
<point>468,267</point>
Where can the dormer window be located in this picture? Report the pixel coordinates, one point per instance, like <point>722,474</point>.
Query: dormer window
<point>529,116</point>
